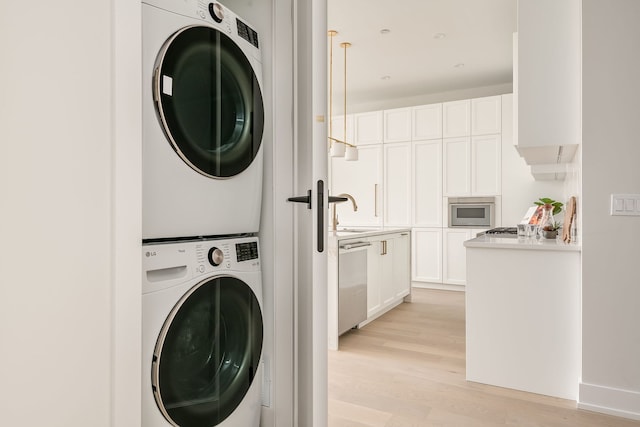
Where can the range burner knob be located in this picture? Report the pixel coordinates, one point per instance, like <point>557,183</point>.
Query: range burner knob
<point>216,11</point>
<point>216,256</point>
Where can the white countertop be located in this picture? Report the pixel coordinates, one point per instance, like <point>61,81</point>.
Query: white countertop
<point>540,244</point>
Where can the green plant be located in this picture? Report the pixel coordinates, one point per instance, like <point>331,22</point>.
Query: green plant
<point>557,206</point>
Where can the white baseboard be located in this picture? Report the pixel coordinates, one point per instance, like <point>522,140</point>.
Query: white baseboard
<point>611,401</point>
<point>438,286</point>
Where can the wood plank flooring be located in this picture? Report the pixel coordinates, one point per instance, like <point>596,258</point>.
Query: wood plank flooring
<point>407,369</point>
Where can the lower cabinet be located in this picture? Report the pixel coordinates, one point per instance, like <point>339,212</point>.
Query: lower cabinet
<point>454,266</point>
<point>388,274</point>
<point>439,256</point>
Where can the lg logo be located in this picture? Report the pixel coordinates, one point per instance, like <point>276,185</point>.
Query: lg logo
<point>150,254</point>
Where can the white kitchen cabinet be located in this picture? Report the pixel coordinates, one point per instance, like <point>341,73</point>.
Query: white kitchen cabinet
<point>426,122</point>
<point>363,180</point>
<point>455,261</point>
<point>387,272</point>
<point>368,128</point>
<point>486,115</point>
<point>523,331</point>
<point>456,119</point>
<point>402,265</point>
<point>426,255</point>
<point>427,183</point>
<point>397,125</point>
<point>548,80</point>
<point>486,165</point>
<point>457,166</point>
<point>397,184</point>
<point>472,166</point>
<point>337,128</point>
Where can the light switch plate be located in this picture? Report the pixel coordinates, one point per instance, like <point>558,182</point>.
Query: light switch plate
<point>625,204</point>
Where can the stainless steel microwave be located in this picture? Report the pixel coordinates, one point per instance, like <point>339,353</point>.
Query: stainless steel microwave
<point>476,212</point>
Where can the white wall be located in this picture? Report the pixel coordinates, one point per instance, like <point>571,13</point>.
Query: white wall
<point>611,248</point>
<point>56,217</point>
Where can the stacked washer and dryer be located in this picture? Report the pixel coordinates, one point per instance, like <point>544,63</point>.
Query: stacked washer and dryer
<point>203,119</point>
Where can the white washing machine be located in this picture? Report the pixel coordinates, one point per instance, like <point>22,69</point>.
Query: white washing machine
<point>203,121</point>
<point>202,333</point>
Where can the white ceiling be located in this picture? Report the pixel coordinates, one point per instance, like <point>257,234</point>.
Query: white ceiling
<point>478,34</point>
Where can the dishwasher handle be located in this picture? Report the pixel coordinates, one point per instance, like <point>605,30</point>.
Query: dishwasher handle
<point>355,245</point>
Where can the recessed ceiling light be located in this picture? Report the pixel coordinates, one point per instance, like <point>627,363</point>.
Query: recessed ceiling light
<point>439,36</point>
<point>459,65</point>
<point>385,31</point>
<point>386,77</point>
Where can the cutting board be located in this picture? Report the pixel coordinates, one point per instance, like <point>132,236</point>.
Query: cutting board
<point>569,218</point>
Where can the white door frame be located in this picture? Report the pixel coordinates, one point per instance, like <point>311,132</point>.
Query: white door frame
<point>310,106</point>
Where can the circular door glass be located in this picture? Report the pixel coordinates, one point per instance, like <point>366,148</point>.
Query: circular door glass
<point>209,101</point>
<point>208,352</point>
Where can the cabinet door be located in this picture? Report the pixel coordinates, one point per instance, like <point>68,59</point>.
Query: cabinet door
<point>456,119</point>
<point>362,180</point>
<point>397,125</point>
<point>455,257</point>
<point>337,128</point>
<point>387,286</point>
<point>427,255</point>
<point>427,183</point>
<point>486,170</point>
<point>457,166</point>
<point>486,115</point>
<point>427,122</point>
<point>375,277</point>
<point>397,184</point>
<point>401,265</point>
<point>368,128</point>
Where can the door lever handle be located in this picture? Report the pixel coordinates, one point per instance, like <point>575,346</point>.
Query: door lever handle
<point>302,199</point>
<point>336,199</point>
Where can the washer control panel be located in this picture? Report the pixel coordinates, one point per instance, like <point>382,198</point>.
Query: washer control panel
<point>166,264</point>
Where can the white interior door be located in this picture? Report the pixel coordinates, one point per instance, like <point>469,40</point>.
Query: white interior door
<point>310,171</point>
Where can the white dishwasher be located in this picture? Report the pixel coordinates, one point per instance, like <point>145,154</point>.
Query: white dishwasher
<point>352,284</point>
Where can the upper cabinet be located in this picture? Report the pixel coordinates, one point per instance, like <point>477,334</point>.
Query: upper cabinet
<point>456,119</point>
<point>486,115</point>
<point>368,128</point>
<point>427,122</point>
<point>362,180</point>
<point>397,125</point>
<point>547,80</point>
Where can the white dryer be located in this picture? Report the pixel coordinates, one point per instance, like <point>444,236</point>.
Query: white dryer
<point>203,121</point>
<point>202,333</point>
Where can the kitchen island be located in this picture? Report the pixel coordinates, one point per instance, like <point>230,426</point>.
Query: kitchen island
<point>523,314</point>
<point>368,274</point>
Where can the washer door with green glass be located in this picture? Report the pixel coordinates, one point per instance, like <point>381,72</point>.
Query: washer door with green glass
<point>207,353</point>
<point>208,101</point>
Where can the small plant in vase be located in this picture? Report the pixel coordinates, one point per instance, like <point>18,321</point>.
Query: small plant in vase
<point>550,231</point>
<point>547,225</point>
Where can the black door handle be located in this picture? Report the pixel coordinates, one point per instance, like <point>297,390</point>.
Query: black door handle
<point>336,199</point>
<point>302,199</point>
<point>320,214</point>
<point>320,198</point>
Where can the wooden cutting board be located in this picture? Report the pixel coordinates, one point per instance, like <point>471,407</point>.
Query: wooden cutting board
<point>569,217</point>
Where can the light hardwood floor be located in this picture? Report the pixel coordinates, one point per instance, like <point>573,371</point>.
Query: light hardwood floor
<point>407,369</point>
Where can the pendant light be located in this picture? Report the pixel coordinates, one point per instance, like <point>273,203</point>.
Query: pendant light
<point>351,152</point>
<point>337,147</point>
